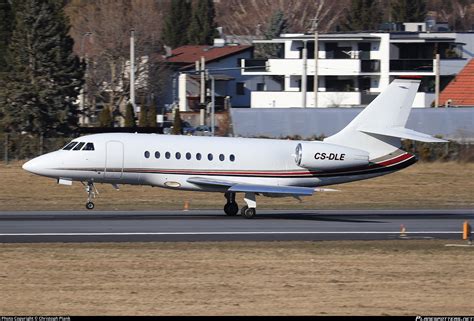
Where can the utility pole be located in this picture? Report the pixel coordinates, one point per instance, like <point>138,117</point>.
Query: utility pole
<point>437,71</point>
<point>303,76</point>
<point>316,57</point>
<point>202,110</point>
<point>132,70</point>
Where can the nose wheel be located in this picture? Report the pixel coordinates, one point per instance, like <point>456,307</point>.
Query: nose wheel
<point>92,192</point>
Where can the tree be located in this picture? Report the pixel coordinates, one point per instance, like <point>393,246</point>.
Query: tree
<point>277,25</point>
<point>363,15</point>
<point>408,10</point>
<point>44,78</point>
<point>176,23</point>
<point>6,29</point>
<point>105,118</point>
<point>151,116</point>
<point>129,116</point>
<point>177,123</point>
<point>202,29</point>
<point>143,119</point>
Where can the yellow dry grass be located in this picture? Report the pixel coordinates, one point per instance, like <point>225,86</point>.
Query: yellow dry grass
<point>404,277</point>
<point>427,185</point>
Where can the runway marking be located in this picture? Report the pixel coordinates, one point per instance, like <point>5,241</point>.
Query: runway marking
<point>219,233</point>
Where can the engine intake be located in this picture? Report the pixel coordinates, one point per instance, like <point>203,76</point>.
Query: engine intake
<point>324,156</point>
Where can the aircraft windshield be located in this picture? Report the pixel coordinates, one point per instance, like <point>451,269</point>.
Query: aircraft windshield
<point>70,146</point>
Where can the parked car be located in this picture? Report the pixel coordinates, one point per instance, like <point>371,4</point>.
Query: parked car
<point>204,130</point>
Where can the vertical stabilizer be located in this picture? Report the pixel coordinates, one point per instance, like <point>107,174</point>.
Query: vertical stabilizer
<point>379,127</point>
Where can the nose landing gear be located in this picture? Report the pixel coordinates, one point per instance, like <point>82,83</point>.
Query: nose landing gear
<point>92,192</point>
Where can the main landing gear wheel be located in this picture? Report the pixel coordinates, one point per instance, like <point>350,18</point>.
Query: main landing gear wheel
<point>90,205</point>
<point>231,208</point>
<point>248,212</point>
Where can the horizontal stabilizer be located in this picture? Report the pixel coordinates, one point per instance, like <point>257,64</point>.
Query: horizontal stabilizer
<point>402,132</point>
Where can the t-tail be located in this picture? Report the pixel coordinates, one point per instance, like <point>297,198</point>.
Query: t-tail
<point>379,128</point>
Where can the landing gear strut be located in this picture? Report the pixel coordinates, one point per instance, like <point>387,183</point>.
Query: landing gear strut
<point>231,208</point>
<point>91,194</point>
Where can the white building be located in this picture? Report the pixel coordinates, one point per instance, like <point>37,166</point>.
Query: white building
<point>353,68</point>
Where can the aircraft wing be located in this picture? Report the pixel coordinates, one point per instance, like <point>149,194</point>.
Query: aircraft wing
<point>254,188</point>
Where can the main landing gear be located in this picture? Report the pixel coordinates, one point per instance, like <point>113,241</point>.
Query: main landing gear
<point>248,211</point>
<point>92,192</point>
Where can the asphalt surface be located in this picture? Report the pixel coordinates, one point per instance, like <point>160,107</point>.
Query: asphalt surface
<point>213,225</point>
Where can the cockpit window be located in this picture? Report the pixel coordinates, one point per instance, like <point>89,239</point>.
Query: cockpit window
<point>89,146</point>
<point>79,146</point>
<point>70,145</point>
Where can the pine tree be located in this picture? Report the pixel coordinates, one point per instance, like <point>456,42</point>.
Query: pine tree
<point>151,116</point>
<point>129,116</point>
<point>408,10</point>
<point>175,30</point>
<point>278,25</point>
<point>177,123</point>
<point>202,29</point>
<point>143,119</point>
<point>105,118</point>
<point>6,29</point>
<point>43,82</point>
<point>363,15</point>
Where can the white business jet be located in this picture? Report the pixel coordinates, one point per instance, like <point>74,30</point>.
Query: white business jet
<point>368,147</point>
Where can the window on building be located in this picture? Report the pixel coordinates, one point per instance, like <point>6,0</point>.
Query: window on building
<point>260,86</point>
<point>240,88</point>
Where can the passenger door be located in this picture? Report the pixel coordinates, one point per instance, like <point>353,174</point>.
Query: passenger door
<point>114,160</point>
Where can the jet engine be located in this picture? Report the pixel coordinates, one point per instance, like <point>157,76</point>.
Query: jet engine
<point>324,156</point>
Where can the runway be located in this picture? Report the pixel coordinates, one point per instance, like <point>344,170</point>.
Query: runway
<point>213,225</point>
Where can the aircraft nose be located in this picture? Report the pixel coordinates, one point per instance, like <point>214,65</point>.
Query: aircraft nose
<point>32,166</point>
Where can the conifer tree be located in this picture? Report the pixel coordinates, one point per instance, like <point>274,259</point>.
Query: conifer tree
<point>175,30</point>
<point>151,116</point>
<point>6,29</point>
<point>177,123</point>
<point>143,119</point>
<point>278,25</point>
<point>363,15</point>
<point>129,116</point>
<point>202,29</point>
<point>105,117</point>
<point>44,76</point>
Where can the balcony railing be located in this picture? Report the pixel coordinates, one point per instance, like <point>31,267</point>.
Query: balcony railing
<point>255,65</point>
<point>411,65</point>
<point>370,65</point>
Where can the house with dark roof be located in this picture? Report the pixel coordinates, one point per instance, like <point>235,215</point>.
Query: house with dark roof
<point>223,62</point>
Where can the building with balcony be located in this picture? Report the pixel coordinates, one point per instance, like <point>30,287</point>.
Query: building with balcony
<point>353,68</point>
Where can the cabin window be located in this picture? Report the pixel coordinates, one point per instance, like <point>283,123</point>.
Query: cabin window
<point>147,154</point>
<point>188,156</point>
<point>167,155</point>
<point>209,156</point>
<point>221,157</point>
<point>232,158</point>
<point>157,155</point>
<point>70,145</point>
<point>79,146</point>
<point>198,156</point>
<point>178,155</point>
<point>89,146</point>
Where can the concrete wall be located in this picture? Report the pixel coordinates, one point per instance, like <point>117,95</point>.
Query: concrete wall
<point>450,123</point>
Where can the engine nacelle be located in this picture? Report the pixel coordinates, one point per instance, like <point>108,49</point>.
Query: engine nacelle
<point>324,156</point>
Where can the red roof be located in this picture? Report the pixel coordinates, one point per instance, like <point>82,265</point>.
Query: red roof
<point>187,55</point>
<point>461,89</point>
